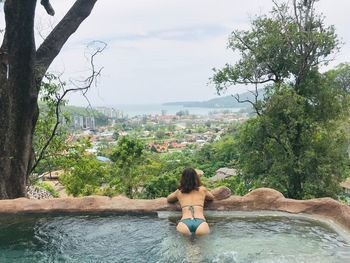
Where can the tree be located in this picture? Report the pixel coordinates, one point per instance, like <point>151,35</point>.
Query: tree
<point>160,134</point>
<point>21,72</point>
<point>161,186</point>
<point>268,155</point>
<point>115,135</point>
<point>288,46</point>
<point>84,174</point>
<point>182,113</point>
<point>303,110</point>
<point>211,157</point>
<point>128,157</point>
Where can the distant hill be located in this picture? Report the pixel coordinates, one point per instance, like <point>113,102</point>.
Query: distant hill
<point>222,102</point>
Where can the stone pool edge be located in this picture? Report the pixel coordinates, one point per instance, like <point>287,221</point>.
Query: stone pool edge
<point>257,200</point>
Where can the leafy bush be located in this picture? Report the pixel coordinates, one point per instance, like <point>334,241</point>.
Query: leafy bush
<point>160,186</point>
<point>235,183</point>
<point>85,176</point>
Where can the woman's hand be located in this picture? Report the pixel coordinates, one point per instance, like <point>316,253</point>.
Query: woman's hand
<point>208,195</point>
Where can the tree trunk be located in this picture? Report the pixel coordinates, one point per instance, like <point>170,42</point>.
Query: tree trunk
<point>21,71</point>
<point>296,177</point>
<point>18,97</point>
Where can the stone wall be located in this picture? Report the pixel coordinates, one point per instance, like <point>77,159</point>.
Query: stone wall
<point>259,199</point>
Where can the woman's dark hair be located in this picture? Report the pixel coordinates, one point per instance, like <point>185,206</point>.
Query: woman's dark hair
<point>189,181</point>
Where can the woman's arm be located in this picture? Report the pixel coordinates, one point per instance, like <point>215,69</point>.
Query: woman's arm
<point>208,195</point>
<point>172,198</point>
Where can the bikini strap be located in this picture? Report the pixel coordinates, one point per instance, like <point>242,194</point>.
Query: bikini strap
<point>191,208</point>
<point>190,205</point>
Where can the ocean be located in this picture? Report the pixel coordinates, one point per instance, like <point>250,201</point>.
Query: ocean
<point>153,109</point>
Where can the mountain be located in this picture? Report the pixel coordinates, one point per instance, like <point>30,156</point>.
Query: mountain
<point>222,102</point>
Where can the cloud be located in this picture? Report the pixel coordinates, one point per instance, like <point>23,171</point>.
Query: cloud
<point>163,50</point>
<point>194,33</point>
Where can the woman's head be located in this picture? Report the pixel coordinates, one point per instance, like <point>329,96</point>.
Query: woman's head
<point>189,181</point>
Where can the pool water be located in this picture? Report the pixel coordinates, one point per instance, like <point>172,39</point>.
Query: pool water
<point>131,238</point>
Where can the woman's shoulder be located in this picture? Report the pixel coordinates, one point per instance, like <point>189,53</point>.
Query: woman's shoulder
<point>202,188</point>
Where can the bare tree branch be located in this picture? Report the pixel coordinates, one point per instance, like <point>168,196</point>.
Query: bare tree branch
<point>255,94</point>
<point>254,81</point>
<point>254,104</point>
<point>43,29</point>
<point>52,45</point>
<point>242,41</point>
<point>48,7</point>
<point>87,84</point>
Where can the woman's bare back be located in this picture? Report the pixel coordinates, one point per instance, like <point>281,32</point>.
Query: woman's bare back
<point>192,208</point>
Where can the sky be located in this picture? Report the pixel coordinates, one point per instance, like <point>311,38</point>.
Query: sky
<point>163,50</point>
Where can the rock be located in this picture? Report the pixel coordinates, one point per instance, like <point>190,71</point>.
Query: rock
<point>264,193</point>
<point>221,192</point>
<point>199,172</point>
<point>34,192</point>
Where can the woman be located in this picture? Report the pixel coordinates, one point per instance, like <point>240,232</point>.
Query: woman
<point>191,196</point>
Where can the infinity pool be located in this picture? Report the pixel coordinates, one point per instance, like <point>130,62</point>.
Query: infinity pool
<point>115,238</point>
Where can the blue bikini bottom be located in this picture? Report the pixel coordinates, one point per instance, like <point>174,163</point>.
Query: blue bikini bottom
<point>192,223</point>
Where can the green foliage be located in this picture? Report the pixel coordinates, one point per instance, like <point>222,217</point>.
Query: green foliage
<point>160,134</point>
<point>176,162</point>
<point>213,156</point>
<point>288,150</point>
<point>165,177</point>
<point>105,148</point>
<point>297,143</point>
<point>161,186</point>
<point>86,176</point>
<point>129,158</point>
<point>344,199</point>
<point>280,47</point>
<point>182,113</point>
<point>116,135</point>
<point>137,173</point>
<point>236,184</point>
<point>128,152</point>
<point>130,173</point>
